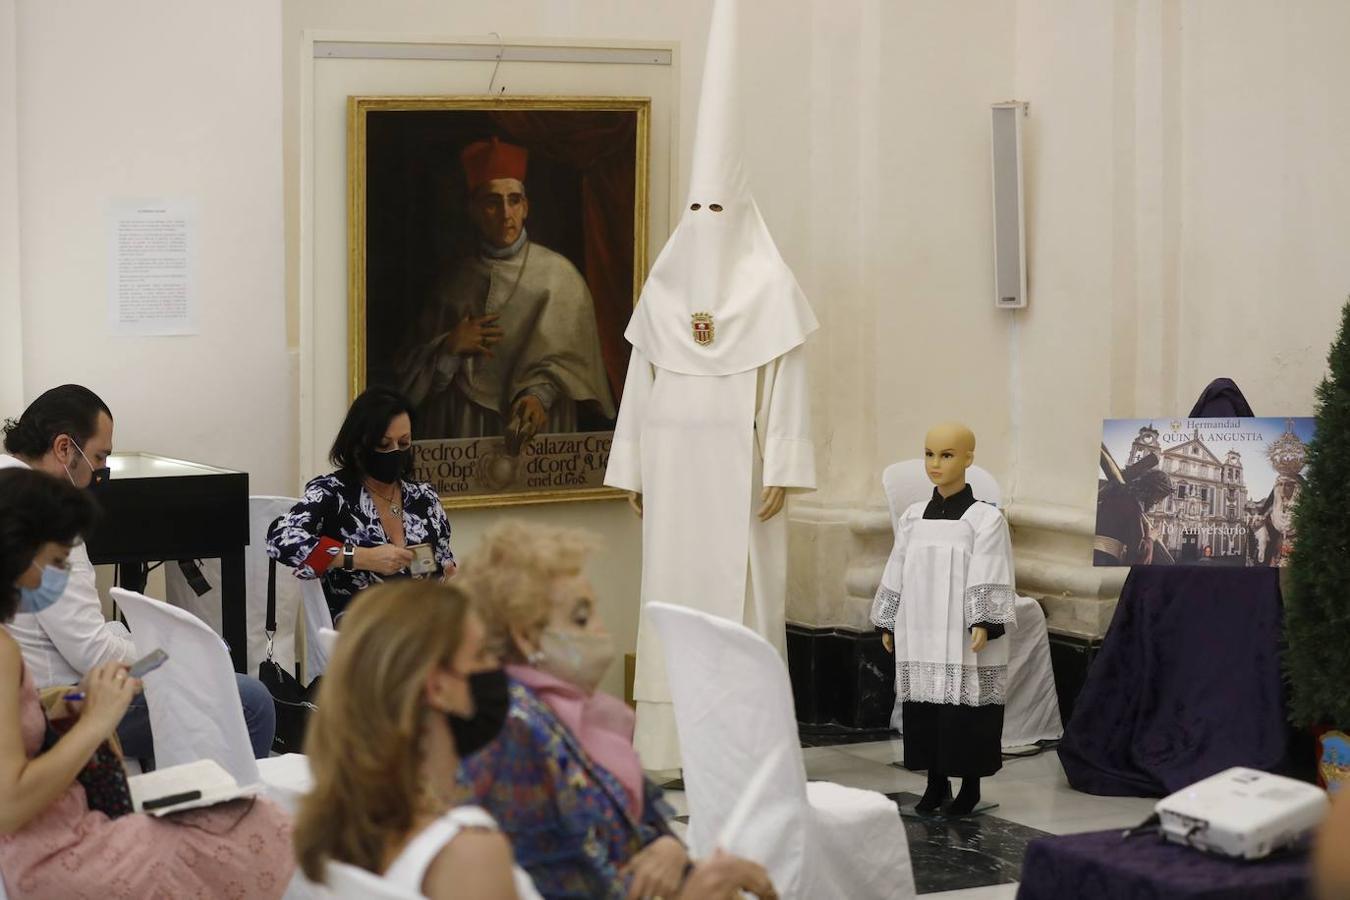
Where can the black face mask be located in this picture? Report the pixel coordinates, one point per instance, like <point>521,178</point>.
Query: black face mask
<point>388,466</point>
<point>99,479</point>
<point>490,702</point>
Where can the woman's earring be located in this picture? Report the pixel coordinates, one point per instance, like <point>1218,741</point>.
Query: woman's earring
<point>535,658</point>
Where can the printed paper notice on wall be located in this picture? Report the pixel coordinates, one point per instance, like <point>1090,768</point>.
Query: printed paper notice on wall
<point>152,255</point>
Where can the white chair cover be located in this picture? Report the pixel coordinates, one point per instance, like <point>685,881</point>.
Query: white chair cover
<point>1032,711</point>
<point>327,640</point>
<point>733,709</point>
<point>195,712</point>
<point>293,597</point>
<point>354,883</point>
<point>285,779</point>
<point>318,619</point>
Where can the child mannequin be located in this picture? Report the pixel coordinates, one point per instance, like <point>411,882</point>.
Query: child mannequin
<point>945,598</point>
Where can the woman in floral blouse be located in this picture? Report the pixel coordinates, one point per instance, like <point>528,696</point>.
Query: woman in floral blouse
<point>354,526</point>
<point>562,778</point>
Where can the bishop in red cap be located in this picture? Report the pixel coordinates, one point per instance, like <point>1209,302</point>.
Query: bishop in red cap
<point>491,159</point>
<point>495,173</point>
<point>510,346</point>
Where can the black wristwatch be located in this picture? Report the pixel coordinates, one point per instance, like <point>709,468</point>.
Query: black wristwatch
<point>349,556</point>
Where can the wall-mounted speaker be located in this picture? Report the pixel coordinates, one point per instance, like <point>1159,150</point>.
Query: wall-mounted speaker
<point>1010,257</point>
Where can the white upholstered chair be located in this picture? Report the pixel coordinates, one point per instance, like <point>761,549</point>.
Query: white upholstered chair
<point>733,709</point>
<point>285,779</point>
<point>327,640</point>
<point>318,620</point>
<point>1032,712</point>
<point>193,698</point>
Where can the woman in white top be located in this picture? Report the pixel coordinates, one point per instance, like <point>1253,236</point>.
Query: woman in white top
<point>410,689</point>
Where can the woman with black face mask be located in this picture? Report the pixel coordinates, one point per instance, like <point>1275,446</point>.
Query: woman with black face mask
<point>354,527</point>
<point>410,690</point>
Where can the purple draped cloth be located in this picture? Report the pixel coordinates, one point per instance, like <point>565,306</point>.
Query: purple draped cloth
<point>1221,398</point>
<point>1104,866</point>
<point>1187,683</point>
<point>1188,680</point>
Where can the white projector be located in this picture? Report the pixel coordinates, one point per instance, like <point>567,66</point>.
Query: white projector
<point>1242,812</point>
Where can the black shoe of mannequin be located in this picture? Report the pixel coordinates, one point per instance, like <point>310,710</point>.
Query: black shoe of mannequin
<point>965,802</point>
<point>939,791</point>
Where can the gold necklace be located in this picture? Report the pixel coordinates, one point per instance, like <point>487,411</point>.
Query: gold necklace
<point>395,508</point>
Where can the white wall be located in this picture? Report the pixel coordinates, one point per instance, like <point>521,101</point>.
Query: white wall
<point>1188,209</point>
<point>11,310</point>
<point>158,98</point>
<point>1265,185</point>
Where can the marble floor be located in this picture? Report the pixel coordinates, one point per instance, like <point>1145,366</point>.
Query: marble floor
<point>979,859</point>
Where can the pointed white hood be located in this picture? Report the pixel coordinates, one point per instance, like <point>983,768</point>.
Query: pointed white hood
<point>719,299</point>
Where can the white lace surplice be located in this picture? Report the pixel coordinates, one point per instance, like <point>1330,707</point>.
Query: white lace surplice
<point>944,576</point>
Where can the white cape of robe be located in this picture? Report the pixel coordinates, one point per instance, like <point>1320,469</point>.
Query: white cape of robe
<point>700,449</point>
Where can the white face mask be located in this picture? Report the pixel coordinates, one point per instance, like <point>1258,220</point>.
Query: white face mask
<point>577,657</point>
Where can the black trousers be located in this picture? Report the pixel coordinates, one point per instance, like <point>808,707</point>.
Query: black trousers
<point>959,741</point>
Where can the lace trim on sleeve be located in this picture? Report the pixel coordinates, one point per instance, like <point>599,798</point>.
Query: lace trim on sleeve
<point>884,607</point>
<point>993,603</point>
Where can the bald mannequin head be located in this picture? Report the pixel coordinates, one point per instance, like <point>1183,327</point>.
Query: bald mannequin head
<point>948,450</point>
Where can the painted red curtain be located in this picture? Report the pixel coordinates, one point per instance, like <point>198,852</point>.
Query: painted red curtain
<point>601,146</point>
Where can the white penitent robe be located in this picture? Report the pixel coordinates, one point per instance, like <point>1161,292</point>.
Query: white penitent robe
<point>550,348</point>
<point>700,449</point>
<point>943,577</point>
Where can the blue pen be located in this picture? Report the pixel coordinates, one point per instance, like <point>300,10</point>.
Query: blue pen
<point>77,695</point>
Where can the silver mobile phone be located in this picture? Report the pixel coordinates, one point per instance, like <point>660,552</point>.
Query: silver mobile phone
<point>148,663</point>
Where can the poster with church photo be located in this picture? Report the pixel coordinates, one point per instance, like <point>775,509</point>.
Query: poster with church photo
<point>1199,491</point>
<point>498,245</point>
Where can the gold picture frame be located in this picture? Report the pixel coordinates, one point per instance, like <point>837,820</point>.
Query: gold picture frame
<point>420,145</point>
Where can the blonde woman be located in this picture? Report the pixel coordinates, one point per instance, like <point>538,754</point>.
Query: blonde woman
<point>410,689</point>
<point>563,778</point>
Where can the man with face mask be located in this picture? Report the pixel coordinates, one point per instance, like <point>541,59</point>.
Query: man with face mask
<point>67,432</point>
<point>514,346</point>
<point>714,427</point>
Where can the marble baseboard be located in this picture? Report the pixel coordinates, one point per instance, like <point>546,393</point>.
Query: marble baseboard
<point>1070,657</point>
<point>842,681</point>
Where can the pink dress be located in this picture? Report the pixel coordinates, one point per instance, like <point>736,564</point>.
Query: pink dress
<point>238,850</point>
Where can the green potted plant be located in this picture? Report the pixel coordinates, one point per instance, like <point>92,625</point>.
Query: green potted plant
<point>1317,581</point>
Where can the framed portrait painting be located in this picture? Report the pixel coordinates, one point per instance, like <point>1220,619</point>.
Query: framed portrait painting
<point>497,248</point>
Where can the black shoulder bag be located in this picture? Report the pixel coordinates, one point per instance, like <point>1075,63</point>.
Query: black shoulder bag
<point>293,701</point>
